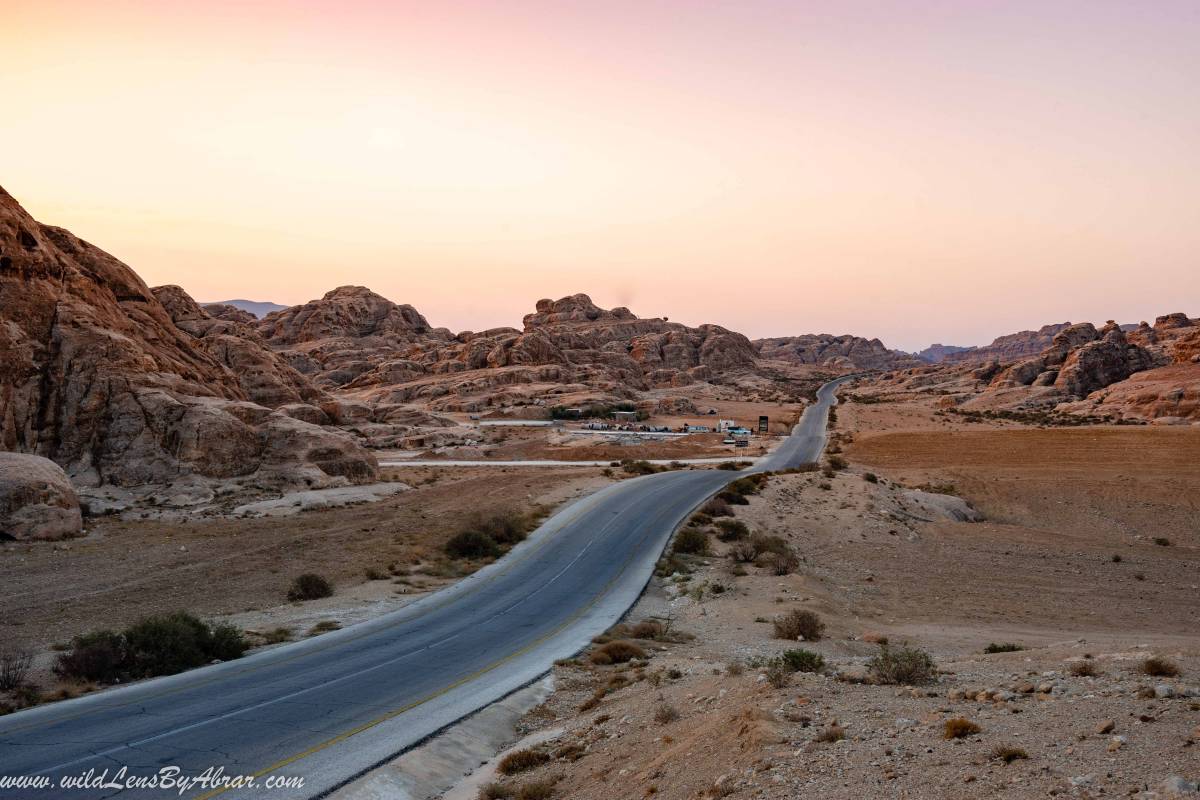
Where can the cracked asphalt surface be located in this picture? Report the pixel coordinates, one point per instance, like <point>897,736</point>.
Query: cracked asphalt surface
<point>329,708</point>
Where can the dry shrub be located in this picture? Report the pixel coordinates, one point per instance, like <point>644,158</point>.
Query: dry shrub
<point>904,665</point>
<point>834,733</point>
<point>732,530</point>
<point>1159,667</point>
<point>309,586</point>
<point>734,668</point>
<point>647,629</point>
<point>796,624</point>
<point>665,714</point>
<point>497,791</point>
<point>521,761</point>
<point>1008,753</point>
<point>779,675</point>
<point>744,552</point>
<point>536,790</point>
<point>14,668</point>
<point>782,563</point>
<point>1084,669</point>
<point>570,752</point>
<point>616,652</point>
<point>717,508</point>
<point>959,728</point>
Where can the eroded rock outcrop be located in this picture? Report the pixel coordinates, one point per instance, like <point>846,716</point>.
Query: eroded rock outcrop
<point>99,376</point>
<point>358,342</point>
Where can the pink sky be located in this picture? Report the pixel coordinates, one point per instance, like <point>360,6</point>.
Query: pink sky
<point>919,171</point>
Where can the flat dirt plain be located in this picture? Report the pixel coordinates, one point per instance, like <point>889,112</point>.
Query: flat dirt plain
<point>1064,564</point>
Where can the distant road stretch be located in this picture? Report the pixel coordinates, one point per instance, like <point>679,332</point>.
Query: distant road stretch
<point>326,709</point>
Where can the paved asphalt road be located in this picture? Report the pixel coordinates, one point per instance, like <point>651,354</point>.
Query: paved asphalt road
<point>328,708</point>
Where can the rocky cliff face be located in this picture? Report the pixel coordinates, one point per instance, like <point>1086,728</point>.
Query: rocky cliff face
<point>96,375</point>
<point>835,352</point>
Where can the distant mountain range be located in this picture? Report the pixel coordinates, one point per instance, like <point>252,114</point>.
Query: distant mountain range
<point>257,308</point>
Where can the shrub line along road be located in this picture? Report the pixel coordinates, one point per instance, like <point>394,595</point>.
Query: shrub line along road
<point>329,708</point>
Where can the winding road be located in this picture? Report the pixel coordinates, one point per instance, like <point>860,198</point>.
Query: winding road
<point>329,708</point>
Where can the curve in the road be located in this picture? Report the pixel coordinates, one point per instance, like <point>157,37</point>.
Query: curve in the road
<point>329,708</point>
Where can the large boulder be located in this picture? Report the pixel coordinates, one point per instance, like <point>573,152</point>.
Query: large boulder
<point>36,499</point>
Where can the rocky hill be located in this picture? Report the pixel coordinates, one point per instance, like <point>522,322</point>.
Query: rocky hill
<point>937,353</point>
<point>1123,372</point>
<point>257,309</point>
<point>836,352</point>
<point>1008,347</point>
<point>356,341</point>
<point>100,376</point>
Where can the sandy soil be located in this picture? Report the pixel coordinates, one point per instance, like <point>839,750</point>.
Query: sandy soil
<point>123,570</point>
<point>1038,571</point>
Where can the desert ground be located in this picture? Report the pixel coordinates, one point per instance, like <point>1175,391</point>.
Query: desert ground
<point>1086,558</point>
<point>378,556</point>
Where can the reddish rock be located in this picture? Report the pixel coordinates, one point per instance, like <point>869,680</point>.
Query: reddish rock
<point>97,375</point>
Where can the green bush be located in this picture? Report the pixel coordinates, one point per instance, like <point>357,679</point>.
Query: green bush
<point>905,665</point>
<point>97,657</point>
<point>691,541</point>
<point>801,660</point>
<point>309,586</point>
<point>159,645</point>
<point>472,544</point>
<point>505,527</point>
<point>751,484</point>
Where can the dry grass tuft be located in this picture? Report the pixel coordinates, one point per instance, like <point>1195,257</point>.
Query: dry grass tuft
<point>1008,753</point>
<point>616,652</point>
<point>1159,667</point>
<point>521,761</point>
<point>834,733</point>
<point>959,728</point>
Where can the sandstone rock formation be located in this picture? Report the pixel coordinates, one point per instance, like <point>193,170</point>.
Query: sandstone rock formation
<point>836,352</point>
<point>1149,372</point>
<point>36,499</point>
<point>1011,346</point>
<point>97,375</point>
<point>357,342</point>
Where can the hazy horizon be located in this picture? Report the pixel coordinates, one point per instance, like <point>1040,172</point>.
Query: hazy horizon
<point>917,172</point>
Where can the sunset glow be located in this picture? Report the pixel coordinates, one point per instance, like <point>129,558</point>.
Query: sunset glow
<point>917,171</point>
